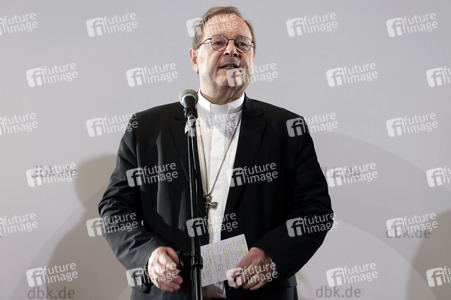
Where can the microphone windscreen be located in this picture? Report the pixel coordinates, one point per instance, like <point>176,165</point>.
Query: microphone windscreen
<point>188,94</point>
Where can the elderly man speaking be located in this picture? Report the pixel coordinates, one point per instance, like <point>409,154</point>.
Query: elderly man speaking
<point>260,179</point>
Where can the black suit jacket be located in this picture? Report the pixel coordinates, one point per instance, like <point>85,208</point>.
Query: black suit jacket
<point>261,208</point>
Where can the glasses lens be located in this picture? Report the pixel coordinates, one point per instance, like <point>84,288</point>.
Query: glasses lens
<point>243,43</point>
<point>219,42</point>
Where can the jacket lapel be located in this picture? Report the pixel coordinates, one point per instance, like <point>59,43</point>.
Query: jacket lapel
<point>251,133</point>
<point>179,138</point>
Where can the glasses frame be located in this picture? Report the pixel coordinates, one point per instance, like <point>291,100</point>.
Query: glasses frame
<point>234,43</point>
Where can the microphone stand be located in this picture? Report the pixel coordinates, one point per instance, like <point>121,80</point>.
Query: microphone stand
<point>194,176</point>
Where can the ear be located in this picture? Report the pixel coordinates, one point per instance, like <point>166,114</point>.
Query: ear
<point>193,58</point>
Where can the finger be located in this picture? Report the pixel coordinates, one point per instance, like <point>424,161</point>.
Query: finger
<point>165,260</point>
<point>168,286</point>
<point>243,276</point>
<point>260,284</point>
<point>250,282</point>
<point>172,254</point>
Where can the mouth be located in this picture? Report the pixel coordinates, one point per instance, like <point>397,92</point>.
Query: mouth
<point>230,66</point>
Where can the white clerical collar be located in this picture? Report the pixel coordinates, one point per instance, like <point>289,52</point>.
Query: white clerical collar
<point>231,107</point>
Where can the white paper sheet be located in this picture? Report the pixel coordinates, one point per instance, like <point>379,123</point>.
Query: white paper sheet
<point>220,257</point>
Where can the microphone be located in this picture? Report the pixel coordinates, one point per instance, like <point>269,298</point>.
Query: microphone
<point>188,98</point>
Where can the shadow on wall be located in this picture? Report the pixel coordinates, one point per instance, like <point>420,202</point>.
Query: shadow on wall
<point>100,275</point>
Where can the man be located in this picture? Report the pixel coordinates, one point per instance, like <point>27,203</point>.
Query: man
<point>259,174</point>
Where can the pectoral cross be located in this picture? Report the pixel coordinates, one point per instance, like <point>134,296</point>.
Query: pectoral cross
<point>209,204</point>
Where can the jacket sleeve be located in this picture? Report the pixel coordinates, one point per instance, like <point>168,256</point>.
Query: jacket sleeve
<point>290,249</point>
<point>121,212</point>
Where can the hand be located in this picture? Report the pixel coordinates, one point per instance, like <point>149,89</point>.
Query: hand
<point>257,270</point>
<point>162,269</point>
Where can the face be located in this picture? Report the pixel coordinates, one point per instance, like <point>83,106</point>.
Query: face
<point>213,66</point>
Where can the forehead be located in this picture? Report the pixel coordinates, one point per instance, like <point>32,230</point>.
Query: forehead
<point>229,25</point>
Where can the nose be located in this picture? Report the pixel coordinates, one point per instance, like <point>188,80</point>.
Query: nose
<point>231,49</point>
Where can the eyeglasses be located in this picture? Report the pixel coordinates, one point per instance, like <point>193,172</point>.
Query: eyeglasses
<point>219,42</point>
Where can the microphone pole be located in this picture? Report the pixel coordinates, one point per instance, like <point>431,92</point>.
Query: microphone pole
<point>188,98</point>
